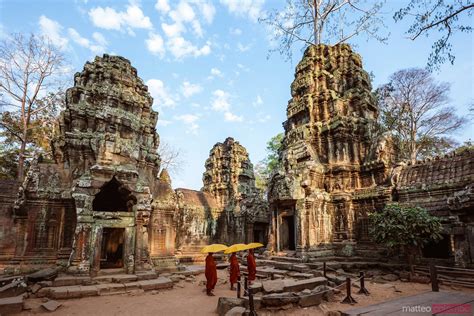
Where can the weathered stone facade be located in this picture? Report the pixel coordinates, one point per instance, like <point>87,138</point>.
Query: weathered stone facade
<point>334,172</point>
<point>102,203</point>
<point>336,169</point>
<point>229,178</point>
<point>445,187</point>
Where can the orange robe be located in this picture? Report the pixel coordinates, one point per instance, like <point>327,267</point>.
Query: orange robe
<point>211,272</point>
<point>234,269</point>
<point>251,267</point>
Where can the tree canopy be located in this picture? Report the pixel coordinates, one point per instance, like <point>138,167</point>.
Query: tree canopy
<point>323,22</point>
<point>415,108</point>
<point>442,16</point>
<point>403,226</point>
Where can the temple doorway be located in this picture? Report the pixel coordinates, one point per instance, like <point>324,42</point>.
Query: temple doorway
<point>260,233</point>
<point>111,254</point>
<point>287,233</point>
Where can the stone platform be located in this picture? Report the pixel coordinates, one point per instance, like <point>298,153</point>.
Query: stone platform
<point>429,303</point>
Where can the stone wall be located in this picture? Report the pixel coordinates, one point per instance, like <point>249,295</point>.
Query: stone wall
<point>445,187</point>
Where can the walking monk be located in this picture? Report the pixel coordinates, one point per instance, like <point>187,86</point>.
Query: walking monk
<point>211,274</point>
<point>251,266</point>
<point>234,270</point>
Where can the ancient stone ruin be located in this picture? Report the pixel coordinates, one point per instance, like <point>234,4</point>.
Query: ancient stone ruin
<point>337,169</point>
<point>106,203</point>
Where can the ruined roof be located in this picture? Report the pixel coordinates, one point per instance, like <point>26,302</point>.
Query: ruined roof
<point>197,198</point>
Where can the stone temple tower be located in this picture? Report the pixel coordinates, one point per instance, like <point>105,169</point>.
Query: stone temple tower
<point>108,152</point>
<point>331,157</point>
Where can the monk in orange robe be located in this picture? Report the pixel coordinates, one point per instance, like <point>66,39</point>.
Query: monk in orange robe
<point>234,270</point>
<point>211,274</point>
<point>251,266</point>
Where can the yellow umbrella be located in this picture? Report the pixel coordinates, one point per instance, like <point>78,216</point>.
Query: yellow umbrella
<point>253,245</point>
<point>213,248</point>
<point>235,248</point>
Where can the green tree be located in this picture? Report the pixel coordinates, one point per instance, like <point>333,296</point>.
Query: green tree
<point>323,21</point>
<point>265,168</point>
<point>405,227</point>
<point>441,16</point>
<point>29,67</point>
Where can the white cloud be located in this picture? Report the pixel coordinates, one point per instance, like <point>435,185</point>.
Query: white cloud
<point>76,37</point>
<point>230,117</point>
<point>155,44</point>
<point>220,101</point>
<point>188,89</point>
<point>173,30</point>
<point>235,31</point>
<point>135,18</point>
<point>215,73</point>
<point>52,30</point>
<point>106,18</point>
<point>160,94</point>
<point>247,8</point>
<point>180,48</point>
<point>258,101</point>
<point>243,48</point>
<point>162,6</point>
<point>184,16</point>
<point>99,38</point>
<point>207,10</point>
<point>190,121</point>
<point>110,19</point>
<point>261,118</point>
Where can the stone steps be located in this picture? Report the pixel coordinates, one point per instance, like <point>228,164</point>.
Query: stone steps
<point>11,305</point>
<point>299,267</point>
<point>286,259</point>
<point>78,291</point>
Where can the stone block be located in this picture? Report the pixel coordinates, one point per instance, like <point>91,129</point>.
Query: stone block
<point>159,283</point>
<point>257,302</point>
<point>73,291</point>
<point>43,292</point>
<point>273,286</point>
<point>43,275</point>
<point>11,305</point>
<point>297,286</point>
<point>146,275</point>
<point>59,293</point>
<point>51,305</point>
<point>225,304</point>
<point>132,286</point>
<point>124,278</point>
<point>115,288</point>
<point>103,288</point>
<point>279,299</point>
<point>14,288</point>
<point>236,311</point>
<point>255,287</point>
<point>89,290</point>
<point>311,299</point>
<point>70,280</point>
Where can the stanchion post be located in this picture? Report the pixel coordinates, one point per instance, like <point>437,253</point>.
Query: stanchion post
<point>434,278</point>
<point>362,290</point>
<point>251,305</point>
<point>324,269</point>
<point>238,288</point>
<point>348,299</point>
<point>246,287</point>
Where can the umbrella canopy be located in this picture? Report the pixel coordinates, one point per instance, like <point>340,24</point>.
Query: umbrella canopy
<point>235,248</point>
<point>253,245</point>
<point>213,248</point>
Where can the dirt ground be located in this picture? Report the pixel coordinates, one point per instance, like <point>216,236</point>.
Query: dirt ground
<point>190,299</point>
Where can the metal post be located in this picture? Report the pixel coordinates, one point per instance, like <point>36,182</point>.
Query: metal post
<point>324,269</point>
<point>238,288</point>
<point>434,278</point>
<point>348,299</point>
<point>362,290</point>
<point>246,287</point>
<point>251,305</point>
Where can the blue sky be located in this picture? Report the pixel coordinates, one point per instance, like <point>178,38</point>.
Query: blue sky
<point>206,64</point>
